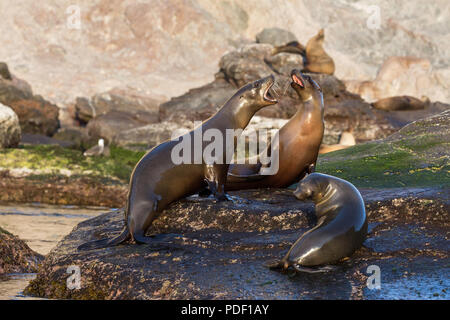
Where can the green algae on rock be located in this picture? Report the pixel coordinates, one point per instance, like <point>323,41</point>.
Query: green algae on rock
<point>415,156</point>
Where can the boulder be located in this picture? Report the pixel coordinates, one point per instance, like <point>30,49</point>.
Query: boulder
<point>400,75</point>
<point>123,100</point>
<point>16,256</point>
<point>77,136</point>
<point>275,36</point>
<point>10,133</point>
<point>146,137</point>
<point>36,115</point>
<point>246,64</point>
<point>106,126</point>
<point>283,63</point>
<point>197,104</point>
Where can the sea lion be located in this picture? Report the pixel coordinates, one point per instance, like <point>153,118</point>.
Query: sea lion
<point>317,60</point>
<point>341,224</point>
<point>299,142</point>
<point>291,47</point>
<point>157,180</point>
<point>401,103</point>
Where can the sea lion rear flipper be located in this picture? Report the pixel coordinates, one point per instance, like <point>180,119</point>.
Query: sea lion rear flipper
<point>103,243</point>
<point>322,269</point>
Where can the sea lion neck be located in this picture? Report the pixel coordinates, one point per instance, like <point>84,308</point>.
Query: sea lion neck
<point>239,111</point>
<point>328,199</point>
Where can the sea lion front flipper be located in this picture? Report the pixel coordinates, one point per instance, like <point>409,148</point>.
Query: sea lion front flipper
<point>322,269</point>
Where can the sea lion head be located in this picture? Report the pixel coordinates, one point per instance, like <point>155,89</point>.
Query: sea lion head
<point>312,187</point>
<point>257,94</point>
<point>304,85</point>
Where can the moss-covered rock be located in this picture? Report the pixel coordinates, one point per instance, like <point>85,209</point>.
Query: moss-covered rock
<point>415,156</point>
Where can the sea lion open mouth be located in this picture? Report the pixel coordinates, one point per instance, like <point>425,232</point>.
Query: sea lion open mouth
<point>298,80</point>
<point>268,96</point>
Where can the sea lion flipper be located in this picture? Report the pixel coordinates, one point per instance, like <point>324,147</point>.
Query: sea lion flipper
<point>242,178</point>
<point>322,269</point>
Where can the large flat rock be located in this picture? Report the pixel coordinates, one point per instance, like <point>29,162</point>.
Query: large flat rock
<point>221,248</point>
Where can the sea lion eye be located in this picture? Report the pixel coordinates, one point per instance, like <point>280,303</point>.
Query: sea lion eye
<point>256,85</point>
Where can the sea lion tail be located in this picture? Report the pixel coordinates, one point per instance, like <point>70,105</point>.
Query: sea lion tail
<point>103,243</point>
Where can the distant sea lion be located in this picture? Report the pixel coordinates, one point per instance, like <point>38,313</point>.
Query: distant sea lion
<point>401,103</point>
<point>291,47</point>
<point>157,181</point>
<point>317,60</point>
<point>341,227</point>
<point>299,142</point>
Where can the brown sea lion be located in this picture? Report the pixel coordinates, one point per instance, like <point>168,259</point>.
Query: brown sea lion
<point>341,224</point>
<point>299,142</point>
<point>401,103</point>
<point>291,47</point>
<point>157,180</point>
<point>317,60</point>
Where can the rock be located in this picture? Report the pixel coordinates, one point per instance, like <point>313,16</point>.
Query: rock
<point>197,104</point>
<point>123,100</point>
<point>415,156</point>
<point>4,71</point>
<point>14,90</point>
<point>246,64</point>
<point>77,136</point>
<point>283,63</point>
<point>146,137</point>
<point>134,46</point>
<point>275,36</point>
<point>36,115</point>
<point>399,76</point>
<point>16,256</point>
<point>84,111</point>
<point>40,139</point>
<point>224,245</point>
<point>10,133</point>
<point>106,126</point>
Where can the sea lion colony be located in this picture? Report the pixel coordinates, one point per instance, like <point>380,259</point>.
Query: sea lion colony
<point>156,181</point>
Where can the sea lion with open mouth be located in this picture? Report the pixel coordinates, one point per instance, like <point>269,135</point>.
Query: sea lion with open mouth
<point>298,142</point>
<point>341,225</point>
<point>157,180</point>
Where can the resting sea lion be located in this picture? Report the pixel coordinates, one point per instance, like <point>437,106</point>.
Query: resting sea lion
<point>157,180</point>
<point>341,227</point>
<point>291,47</point>
<point>401,103</point>
<point>317,60</point>
<point>299,142</point>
